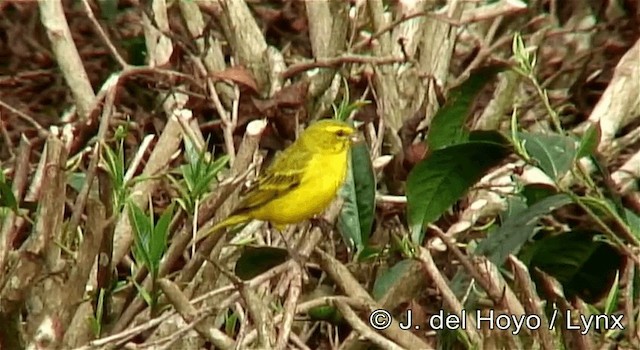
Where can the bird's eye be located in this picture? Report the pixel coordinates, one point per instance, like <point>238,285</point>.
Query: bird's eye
<point>341,133</point>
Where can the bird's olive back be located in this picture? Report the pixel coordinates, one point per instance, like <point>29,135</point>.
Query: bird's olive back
<point>327,136</point>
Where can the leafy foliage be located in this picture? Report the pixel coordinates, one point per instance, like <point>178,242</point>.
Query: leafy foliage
<point>560,233</point>
<point>150,242</point>
<point>586,266</point>
<point>448,125</point>
<point>7,199</point>
<point>197,175</point>
<point>438,182</point>
<point>256,260</point>
<point>517,229</point>
<point>554,154</point>
<point>114,162</point>
<point>356,217</point>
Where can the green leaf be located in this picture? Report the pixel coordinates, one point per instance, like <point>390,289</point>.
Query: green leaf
<point>136,49</point>
<point>490,136</point>
<point>326,313</point>
<point>536,192</point>
<point>108,9</point>
<point>142,229</point>
<point>583,265</point>
<point>230,324</point>
<point>440,180</point>
<point>601,207</point>
<point>370,253</point>
<point>198,174</point>
<point>144,293</point>
<point>448,125</point>
<point>191,152</point>
<point>76,180</point>
<point>97,319</point>
<point>589,141</point>
<point>257,260</point>
<point>611,305</point>
<point>613,200</point>
<point>344,109</point>
<point>158,243</point>
<point>115,165</point>
<point>554,154</point>
<point>359,192</point>
<point>387,279</point>
<point>7,199</point>
<point>633,221</point>
<point>211,169</point>
<point>517,230</point>
<point>515,206</point>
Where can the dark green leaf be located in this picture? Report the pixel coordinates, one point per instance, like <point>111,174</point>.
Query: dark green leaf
<point>611,305</point>
<point>438,181</point>
<point>369,253</point>
<point>76,180</point>
<point>515,206</point>
<point>589,141</point>
<point>257,260</point>
<point>553,153</point>
<point>210,171</point>
<point>142,229</point>
<point>230,324</point>
<point>633,221</point>
<point>326,313</point>
<point>144,293</point>
<point>191,152</point>
<point>108,9</point>
<point>490,136</point>
<point>601,207</point>
<point>517,230</point>
<point>612,198</point>
<point>448,125</point>
<point>536,192</point>
<point>158,243</point>
<point>359,192</point>
<point>137,49</point>
<point>115,166</point>
<point>388,278</point>
<point>7,199</point>
<point>584,266</point>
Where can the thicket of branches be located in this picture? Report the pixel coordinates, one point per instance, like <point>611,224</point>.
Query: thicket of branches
<point>498,173</point>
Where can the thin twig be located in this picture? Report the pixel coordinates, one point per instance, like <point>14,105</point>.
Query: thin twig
<point>78,207</point>
<point>27,118</point>
<point>389,27</point>
<point>290,307</point>
<point>363,329</point>
<point>348,283</point>
<point>449,298</point>
<point>332,62</point>
<point>190,314</point>
<point>121,337</point>
<point>67,56</point>
<point>103,35</point>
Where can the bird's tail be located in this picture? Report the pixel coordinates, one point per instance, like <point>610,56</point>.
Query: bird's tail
<point>230,221</point>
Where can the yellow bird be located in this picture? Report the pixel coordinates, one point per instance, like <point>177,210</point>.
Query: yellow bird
<point>302,180</point>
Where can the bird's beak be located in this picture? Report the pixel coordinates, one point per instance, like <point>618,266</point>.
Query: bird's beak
<point>356,137</point>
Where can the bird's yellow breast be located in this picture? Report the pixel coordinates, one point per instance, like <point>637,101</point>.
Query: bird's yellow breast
<point>322,177</point>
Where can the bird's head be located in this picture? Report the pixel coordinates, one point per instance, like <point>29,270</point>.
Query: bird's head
<point>328,136</point>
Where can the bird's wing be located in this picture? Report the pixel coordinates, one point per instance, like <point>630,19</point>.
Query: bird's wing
<point>282,176</point>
